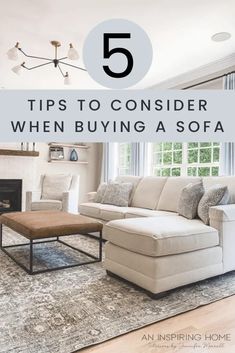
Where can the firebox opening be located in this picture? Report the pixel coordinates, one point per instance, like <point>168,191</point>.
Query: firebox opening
<point>10,195</point>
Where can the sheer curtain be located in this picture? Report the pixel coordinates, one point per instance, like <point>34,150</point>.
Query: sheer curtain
<point>138,158</point>
<point>110,160</point>
<point>227,156</point>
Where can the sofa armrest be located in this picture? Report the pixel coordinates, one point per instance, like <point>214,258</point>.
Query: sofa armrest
<point>70,201</point>
<point>91,196</point>
<point>32,196</point>
<point>222,213</point>
<point>222,218</point>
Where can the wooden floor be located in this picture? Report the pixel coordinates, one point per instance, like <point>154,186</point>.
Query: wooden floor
<point>217,319</point>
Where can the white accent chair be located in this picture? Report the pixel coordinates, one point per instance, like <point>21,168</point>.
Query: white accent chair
<point>55,192</point>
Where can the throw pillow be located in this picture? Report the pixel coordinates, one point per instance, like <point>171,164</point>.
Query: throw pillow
<point>117,194</point>
<point>100,193</point>
<point>190,196</point>
<point>216,195</point>
<point>54,185</point>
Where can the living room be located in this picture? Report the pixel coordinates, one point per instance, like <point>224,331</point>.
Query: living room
<point>117,245</point>
<point>160,162</point>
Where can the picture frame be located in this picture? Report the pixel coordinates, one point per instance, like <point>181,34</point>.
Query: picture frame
<point>56,153</point>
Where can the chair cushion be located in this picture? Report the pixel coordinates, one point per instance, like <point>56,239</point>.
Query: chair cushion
<point>148,192</point>
<point>135,212</point>
<point>156,236</point>
<point>53,186</point>
<point>41,205</point>
<point>171,192</point>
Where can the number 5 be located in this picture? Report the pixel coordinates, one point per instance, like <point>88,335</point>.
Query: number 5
<point>108,53</point>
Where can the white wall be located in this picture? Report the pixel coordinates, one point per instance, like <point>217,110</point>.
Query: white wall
<point>29,169</point>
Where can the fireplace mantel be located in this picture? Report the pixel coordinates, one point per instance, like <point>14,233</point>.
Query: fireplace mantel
<point>18,153</point>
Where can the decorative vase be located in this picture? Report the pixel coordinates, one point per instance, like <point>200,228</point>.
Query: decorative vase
<point>73,156</point>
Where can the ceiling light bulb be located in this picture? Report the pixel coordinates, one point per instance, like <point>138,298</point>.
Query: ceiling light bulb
<point>17,69</point>
<point>72,53</point>
<point>13,52</point>
<point>67,80</point>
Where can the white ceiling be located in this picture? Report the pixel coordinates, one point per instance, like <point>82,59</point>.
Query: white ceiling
<point>180,32</point>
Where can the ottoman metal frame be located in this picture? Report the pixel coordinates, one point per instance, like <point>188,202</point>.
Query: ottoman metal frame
<point>33,243</point>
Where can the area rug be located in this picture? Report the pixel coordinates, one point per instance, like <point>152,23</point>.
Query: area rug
<point>64,311</point>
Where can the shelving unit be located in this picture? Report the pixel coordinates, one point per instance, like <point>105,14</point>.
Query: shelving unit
<point>54,144</point>
<point>68,162</point>
<point>68,145</point>
<point>18,153</point>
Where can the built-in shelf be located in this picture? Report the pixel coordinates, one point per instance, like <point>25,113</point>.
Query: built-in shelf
<point>68,162</point>
<point>19,153</point>
<point>69,145</point>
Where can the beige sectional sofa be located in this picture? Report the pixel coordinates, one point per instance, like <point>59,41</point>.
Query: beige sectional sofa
<point>152,246</point>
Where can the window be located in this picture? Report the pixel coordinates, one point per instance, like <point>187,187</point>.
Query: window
<point>171,159</point>
<point>167,159</point>
<point>203,158</point>
<point>124,158</point>
<point>192,159</point>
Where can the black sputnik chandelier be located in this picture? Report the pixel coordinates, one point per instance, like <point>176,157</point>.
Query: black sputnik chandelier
<point>57,62</point>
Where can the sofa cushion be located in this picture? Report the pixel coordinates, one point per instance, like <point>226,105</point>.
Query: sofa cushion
<point>101,211</point>
<point>90,209</point>
<point>189,200</point>
<point>43,205</point>
<point>111,212</point>
<point>216,195</point>
<point>148,192</point>
<point>228,181</point>
<point>117,194</point>
<point>157,236</point>
<point>171,192</point>
<point>134,212</point>
<point>98,197</point>
<point>134,180</point>
<point>54,185</point>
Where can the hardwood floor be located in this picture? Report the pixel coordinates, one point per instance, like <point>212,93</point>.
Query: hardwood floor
<point>214,319</point>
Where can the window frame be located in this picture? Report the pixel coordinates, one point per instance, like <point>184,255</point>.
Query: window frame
<point>185,164</point>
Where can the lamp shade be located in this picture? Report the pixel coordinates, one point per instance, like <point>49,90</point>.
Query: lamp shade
<point>17,69</point>
<point>72,53</point>
<point>13,54</point>
<point>67,80</point>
